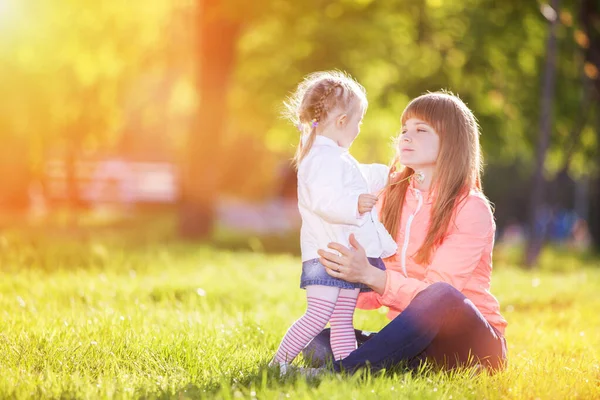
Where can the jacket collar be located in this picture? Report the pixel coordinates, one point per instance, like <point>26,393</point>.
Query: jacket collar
<point>428,197</point>
<point>412,194</point>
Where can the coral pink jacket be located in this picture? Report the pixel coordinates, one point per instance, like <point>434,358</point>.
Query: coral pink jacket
<point>463,260</point>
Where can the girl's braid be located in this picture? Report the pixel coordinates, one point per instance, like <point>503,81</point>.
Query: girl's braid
<point>320,106</point>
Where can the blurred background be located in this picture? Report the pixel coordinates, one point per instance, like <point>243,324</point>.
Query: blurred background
<point>163,116</point>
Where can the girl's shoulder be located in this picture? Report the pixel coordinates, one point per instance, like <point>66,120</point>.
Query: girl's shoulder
<point>324,159</point>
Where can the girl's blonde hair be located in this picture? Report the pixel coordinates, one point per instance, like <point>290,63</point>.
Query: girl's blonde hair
<point>315,98</point>
<point>457,171</point>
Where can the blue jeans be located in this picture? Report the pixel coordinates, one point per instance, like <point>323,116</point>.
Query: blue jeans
<point>440,325</point>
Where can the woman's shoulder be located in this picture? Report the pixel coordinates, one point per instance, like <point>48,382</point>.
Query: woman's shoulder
<point>475,201</point>
<point>474,213</point>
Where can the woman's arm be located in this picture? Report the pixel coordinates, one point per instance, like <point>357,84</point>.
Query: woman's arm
<point>353,266</point>
<point>376,280</point>
<point>453,261</point>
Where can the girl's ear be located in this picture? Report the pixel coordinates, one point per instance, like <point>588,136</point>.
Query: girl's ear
<point>341,121</point>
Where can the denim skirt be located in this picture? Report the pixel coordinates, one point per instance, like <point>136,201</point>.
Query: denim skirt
<point>314,273</point>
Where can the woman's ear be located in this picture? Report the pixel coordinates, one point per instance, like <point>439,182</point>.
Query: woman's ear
<point>341,121</point>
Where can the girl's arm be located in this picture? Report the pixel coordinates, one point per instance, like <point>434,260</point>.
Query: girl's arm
<point>321,185</point>
<point>376,176</point>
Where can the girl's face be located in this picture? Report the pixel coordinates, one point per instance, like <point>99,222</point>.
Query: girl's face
<point>348,126</point>
<point>418,145</point>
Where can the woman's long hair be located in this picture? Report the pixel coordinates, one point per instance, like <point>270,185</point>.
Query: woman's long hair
<point>458,167</point>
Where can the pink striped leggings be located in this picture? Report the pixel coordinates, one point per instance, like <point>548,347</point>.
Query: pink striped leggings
<point>325,304</point>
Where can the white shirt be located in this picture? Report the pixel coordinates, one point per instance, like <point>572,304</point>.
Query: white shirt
<point>329,183</point>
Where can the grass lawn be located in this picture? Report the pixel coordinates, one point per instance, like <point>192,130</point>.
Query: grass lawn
<point>96,317</point>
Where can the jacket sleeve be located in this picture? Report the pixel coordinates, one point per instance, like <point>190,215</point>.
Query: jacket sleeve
<point>453,261</point>
<point>376,176</point>
<point>368,301</point>
<point>326,195</point>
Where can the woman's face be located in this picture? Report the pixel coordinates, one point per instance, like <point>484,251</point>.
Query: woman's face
<point>418,145</point>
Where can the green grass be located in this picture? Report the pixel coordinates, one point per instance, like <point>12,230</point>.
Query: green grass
<point>92,316</point>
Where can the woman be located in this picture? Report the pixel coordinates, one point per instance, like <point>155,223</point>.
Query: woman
<point>437,285</point>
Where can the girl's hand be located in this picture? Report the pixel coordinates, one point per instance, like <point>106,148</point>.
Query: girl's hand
<point>366,202</point>
<point>352,265</point>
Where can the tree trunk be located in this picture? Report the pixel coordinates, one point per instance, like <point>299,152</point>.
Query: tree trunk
<point>217,39</point>
<point>594,214</point>
<point>594,198</point>
<point>590,13</point>
<point>71,179</point>
<point>15,174</point>
<point>537,233</point>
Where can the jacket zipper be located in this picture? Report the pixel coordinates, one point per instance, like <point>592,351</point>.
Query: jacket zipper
<point>407,233</point>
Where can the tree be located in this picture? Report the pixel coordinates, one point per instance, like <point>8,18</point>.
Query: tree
<point>217,38</point>
<point>536,233</point>
<point>69,75</point>
<point>590,21</point>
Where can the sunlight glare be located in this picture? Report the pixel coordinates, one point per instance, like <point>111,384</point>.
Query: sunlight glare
<point>4,6</point>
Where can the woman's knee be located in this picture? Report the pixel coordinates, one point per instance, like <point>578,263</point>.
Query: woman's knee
<point>318,351</point>
<point>443,292</point>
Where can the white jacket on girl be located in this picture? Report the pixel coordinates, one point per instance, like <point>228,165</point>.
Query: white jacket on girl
<point>329,183</point>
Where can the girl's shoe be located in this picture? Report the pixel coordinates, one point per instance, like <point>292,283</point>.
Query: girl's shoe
<point>284,367</point>
<point>313,372</point>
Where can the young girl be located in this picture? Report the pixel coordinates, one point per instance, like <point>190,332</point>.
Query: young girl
<point>336,196</point>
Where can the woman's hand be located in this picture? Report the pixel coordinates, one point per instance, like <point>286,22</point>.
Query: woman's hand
<point>352,265</point>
